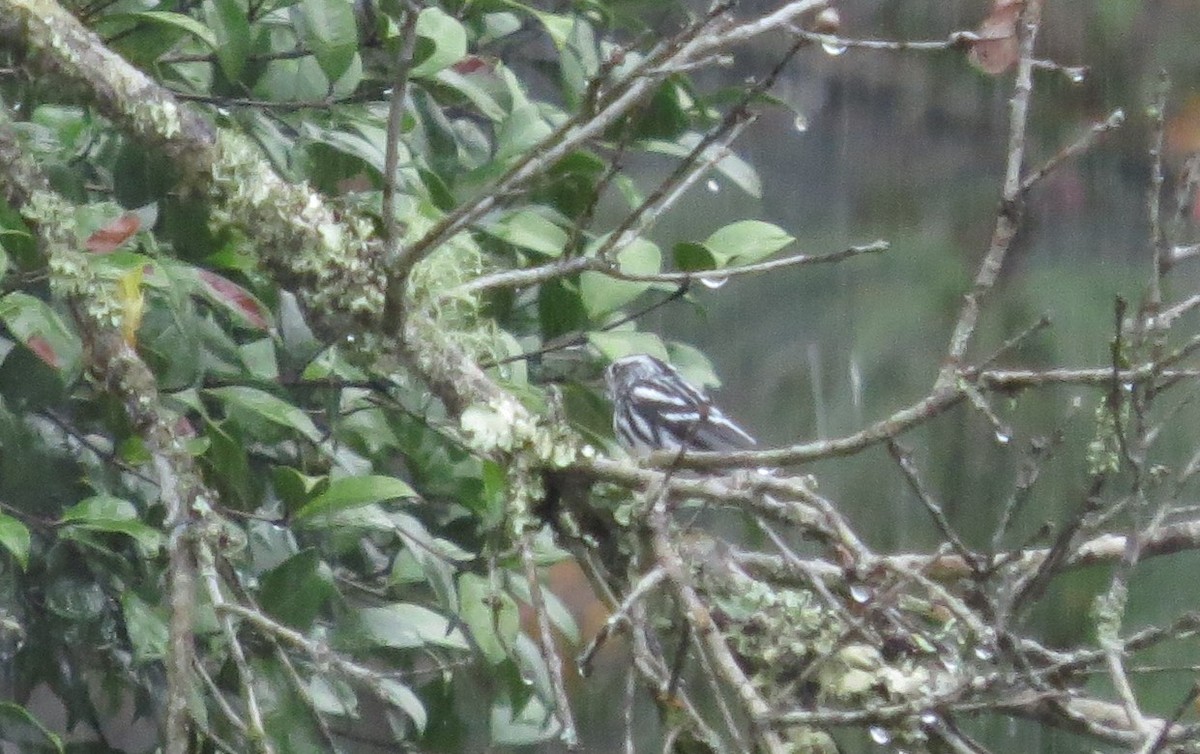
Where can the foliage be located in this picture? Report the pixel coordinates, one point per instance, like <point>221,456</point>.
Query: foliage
<point>290,451</point>
<point>349,510</point>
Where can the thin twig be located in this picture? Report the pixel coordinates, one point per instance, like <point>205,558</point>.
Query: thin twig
<point>1085,142</point>
<point>562,703</point>
<point>535,275</point>
<point>391,225</point>
<point>256,732</point>
<point>904,460</point>
<point>1009,218</point>
<point>710,36</point>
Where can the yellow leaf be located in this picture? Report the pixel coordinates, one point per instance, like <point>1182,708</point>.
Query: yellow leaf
<point>133,304</point>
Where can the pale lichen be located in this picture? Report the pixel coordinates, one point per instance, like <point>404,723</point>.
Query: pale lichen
<point>329,260</point>
<point>71,274</point>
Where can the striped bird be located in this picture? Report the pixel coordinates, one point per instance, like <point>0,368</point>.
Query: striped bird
<point>655,408</point>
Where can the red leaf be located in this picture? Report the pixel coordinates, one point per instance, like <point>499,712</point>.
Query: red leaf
<point>235,297</point>
<point>43,350</point>
<point>111,236</point>
<point>471,64</point>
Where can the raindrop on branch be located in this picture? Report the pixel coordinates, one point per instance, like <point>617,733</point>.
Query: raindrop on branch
<point>860,593</point>
<point>712,185</point>
<point>832,46</point>
<point>879,735</point>
<point>801,122</point>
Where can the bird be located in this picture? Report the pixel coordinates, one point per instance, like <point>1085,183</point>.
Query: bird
<point>655,408</point>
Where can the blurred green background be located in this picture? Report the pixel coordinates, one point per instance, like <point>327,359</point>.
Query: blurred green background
<point>909,147</point>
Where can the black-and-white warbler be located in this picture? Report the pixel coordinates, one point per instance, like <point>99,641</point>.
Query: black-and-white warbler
<point>655,408</point>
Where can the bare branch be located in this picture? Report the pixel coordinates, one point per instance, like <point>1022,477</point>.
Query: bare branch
<point>1009,218</point>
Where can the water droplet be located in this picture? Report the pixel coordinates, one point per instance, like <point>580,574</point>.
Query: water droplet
<point>1128,387</point>
<point>712,185</point>
<point>929,718</point>
<point>1076,74</point>
<point>1003,436</point>
<point>724,61</point>
<point>879,735</point>
<point>713,283</point>
<point>860,593</point>
<point>801,122</point>
<point>832,46</point>
<point>984,653</point>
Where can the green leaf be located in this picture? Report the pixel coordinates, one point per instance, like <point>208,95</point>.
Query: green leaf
<point>580,59</point>
<point>493,617</point>
<point>737,170</point>
<point>407,626</point>
<point>114,515</point>
<point>603,294</point>
<point>329,30</point>
<point>146,626</point>
<point>693,257</point>
<point>14,537</point>
<point>268,407</point>
<point>100,508</point>
<point>355,492</point>
<point>332,696</point>
<point>613,344</point>
<point>746,241</point>
<point>297,589</point>
<point>167,18</point>
<point>43,332</point>
<point>24,730</point>
<point>523,128</point>
<point>530,724</point>
<point>529,230</point>
<point>446,37</point>
<point>402,698</point>
<point>693,364</point>
<point>231,28</point>
<point>294,488</point>
<point>355,145</point>
<point>558,26</point>
<point>469,87</point>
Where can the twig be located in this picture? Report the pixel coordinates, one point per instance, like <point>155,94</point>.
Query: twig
<point>1115,120</point>
<point>710,36</point>
<point>404,58</point>
<point>706,632</point>
<point>903,459</point>
<point>256,732</point>
<point>579,337</point>
<point>562,703</point>
<point>535,275</point>
<point>1160,253</point>
<point>1009,218</point>
<point>893,426</point>
<point>1015,341</point>
<point>619,617</point>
